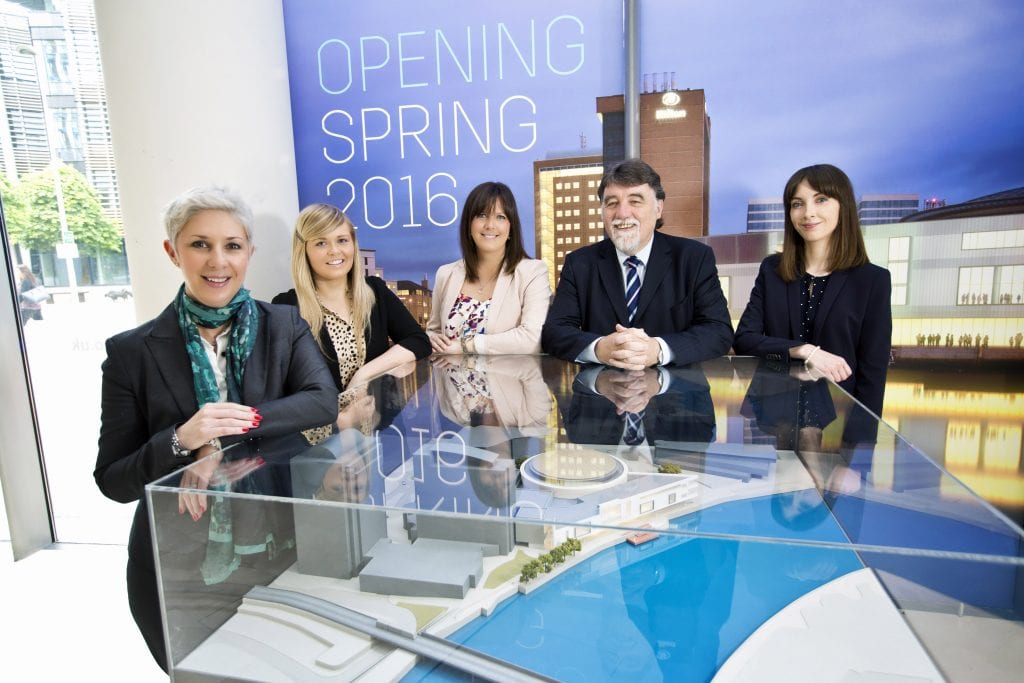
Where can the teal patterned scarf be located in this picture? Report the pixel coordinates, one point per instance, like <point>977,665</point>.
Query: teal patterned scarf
<point>223,550</point>
<point>244,317</point>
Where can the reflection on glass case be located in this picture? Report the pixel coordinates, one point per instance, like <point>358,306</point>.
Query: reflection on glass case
<point>523,518</point>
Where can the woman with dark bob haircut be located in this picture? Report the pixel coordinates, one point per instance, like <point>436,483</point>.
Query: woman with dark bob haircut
<point>495,298</point>
<point>820,300</point>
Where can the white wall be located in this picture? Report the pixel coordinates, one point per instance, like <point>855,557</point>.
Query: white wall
<point>198,94</point>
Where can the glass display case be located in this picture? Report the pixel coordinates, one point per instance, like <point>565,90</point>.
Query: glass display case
<point>523,518</point>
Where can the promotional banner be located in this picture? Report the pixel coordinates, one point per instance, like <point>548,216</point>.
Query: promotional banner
<point>400,108</point>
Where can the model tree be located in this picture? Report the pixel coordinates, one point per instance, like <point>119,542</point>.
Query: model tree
<point>546,562</point>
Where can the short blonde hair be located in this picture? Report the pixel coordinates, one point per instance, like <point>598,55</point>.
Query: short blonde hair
<point>185,206</point>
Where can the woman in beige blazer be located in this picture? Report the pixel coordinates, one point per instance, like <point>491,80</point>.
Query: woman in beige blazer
<point>493,300</point>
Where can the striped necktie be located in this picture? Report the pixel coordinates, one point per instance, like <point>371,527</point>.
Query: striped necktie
<point>632,285</point>
<point>634,434</point>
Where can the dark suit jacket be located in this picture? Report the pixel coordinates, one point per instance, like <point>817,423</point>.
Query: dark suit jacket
<point>390,321</point>
<point>147,390</point>
<point>681,301</point>
<point>854,320</point>
<point>684,412</point>
<point>781,404</point>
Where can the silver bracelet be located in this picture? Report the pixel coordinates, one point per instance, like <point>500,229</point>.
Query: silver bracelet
<point>807,361</point>
<point>177,449</point>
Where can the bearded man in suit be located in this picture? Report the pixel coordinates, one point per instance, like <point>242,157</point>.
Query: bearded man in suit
<point>638,298</point>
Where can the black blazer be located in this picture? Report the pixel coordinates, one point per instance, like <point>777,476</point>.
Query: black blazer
<point>148,389</point>
<point>681,301</point>
<point>684,412</point>
<point>390,321</point>
<point>854,320</point>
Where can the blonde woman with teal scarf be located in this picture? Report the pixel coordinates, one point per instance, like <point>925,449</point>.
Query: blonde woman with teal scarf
<point>214,368</point>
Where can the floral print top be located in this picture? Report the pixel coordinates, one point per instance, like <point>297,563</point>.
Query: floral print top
<point>471,387</point>
<point>466,319</point>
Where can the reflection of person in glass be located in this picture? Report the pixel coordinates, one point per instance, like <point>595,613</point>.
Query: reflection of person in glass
<point>493,300</point>
<point>503,403</point>
<point>361,326</point>
<point>789,404</point>
<point>215,367</point>
<point>505,392</point>
<point>638,408</point>
<point>821,301</point>
<point>346,480</point>
<point>30,310</point>
<point>339,467</point>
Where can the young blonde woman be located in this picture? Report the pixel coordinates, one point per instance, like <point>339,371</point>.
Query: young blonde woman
<point>362,328</point>
<point>821,301</point>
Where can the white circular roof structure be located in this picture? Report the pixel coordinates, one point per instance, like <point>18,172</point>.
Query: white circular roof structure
<point>573,471</point>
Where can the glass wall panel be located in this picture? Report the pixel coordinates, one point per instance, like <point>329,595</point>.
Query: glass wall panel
<point>65,240</point>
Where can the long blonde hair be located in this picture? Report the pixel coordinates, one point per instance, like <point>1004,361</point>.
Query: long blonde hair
<point>319,220</point>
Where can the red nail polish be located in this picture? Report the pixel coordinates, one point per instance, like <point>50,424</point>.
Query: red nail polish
<point>252,409</point>
<point>245,429</point>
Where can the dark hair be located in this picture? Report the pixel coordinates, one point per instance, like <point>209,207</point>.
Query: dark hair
<point>846,248</point>
<point>481,200</point>
<point>630,173</point>
<point>496,491</point>
<point>27,274</point>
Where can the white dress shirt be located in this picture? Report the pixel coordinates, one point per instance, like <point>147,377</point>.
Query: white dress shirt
<point>589,354</point>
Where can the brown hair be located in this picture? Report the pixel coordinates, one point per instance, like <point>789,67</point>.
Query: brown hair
<point>846,247</point>
<point>27,274</point>
<point>318,220</point>
<point>481,201</point>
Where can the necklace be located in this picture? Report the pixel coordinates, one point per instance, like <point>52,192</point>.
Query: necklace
<point>483,286</point>
<point>812,280</point>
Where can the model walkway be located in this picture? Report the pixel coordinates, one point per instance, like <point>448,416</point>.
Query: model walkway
<point>437,649</point>
<point>845,630</point>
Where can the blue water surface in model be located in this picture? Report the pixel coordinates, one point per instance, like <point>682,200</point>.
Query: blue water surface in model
<point>673,609</point>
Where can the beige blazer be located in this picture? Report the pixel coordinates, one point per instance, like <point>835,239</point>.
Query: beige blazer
<point>517,311</point>
<point>516,388</point>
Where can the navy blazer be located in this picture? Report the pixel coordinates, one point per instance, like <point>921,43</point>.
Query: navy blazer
<point>148,389</point>
<point>684,412</point>
<point>681,301</point>
<point>854,320</point>
<point>389,320</point>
